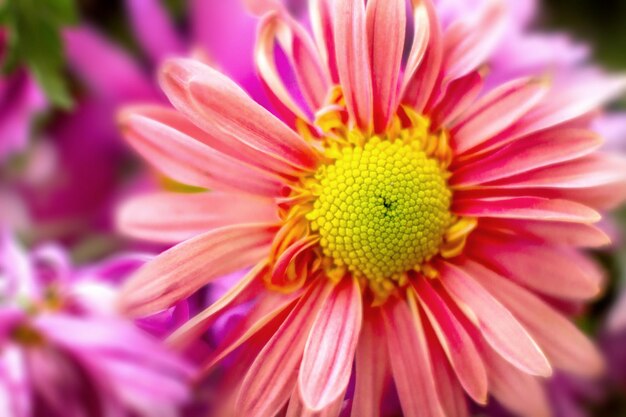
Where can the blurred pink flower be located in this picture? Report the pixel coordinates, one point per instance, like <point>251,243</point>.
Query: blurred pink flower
<point>405,216</point>
<point>64,352</point>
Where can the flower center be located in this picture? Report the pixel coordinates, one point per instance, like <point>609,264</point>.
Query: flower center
<point>382,208</point>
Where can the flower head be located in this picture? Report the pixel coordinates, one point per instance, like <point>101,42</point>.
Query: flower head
<point>64,351</point>
<point>403,215</point>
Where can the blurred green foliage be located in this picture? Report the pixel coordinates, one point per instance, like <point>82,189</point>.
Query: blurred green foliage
<point>34,40</point>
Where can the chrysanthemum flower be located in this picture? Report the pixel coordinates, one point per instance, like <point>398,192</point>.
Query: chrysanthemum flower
<point>64,352</point>
<point>402,220</point>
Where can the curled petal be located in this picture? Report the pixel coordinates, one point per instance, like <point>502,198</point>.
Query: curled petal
<point>303,57</point>
<point>322,26</point>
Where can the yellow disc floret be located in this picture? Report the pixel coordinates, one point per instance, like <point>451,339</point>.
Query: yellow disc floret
<point>382,208</point>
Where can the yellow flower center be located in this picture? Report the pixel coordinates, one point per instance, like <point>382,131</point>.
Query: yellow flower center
<point>382,208</point>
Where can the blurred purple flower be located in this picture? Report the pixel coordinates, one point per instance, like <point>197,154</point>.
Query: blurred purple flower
<point>88,161</point>
<point>63,350</point>
<point>20,100</point>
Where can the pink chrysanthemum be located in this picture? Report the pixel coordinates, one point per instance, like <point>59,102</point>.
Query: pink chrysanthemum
<point>402,219</point>
<point>64,352</point>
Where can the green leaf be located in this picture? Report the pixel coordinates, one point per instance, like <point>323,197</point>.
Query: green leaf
<point>34,29</point>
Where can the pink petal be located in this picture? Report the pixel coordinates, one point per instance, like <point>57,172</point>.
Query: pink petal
<point>455,342</point>
<point>451,394</point>
<point>565,346</point>
<point>386,27</point>
<point>496,111</point>
<point>459,96</point>
<point>353,60</point>
<point>410,361</point>
<point>421,38</point>
<point>572,99</point>
<point>559,233</point>
<point>269,382</point>
<point>372,365</point>
<point>228,114</point>
<point>303,57</point>
<point>469,42</point>
<point>496,323</point>
<point>180,271</point>
<point>527,208</point>
<point>174,217</point>
<point>296,407</point>
<point>518,391</point>
<point>321,15</point>
<point>537,151</point>
<point>243,291</point>
<point>171,143</point>
<point>418,89</point>
<point>269,306</point>
<point>154,29</point>
<point>329,353</point>
<point>557,272</point>
<point>592,171</point>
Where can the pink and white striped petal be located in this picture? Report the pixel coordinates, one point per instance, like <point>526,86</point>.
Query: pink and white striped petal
<point>410,361</point>
<point>353,62</point>
<point>220,107</point>
<point>595,170</point>
<point>470,41</point>
<point>273,376</point>
<point>329,353</point>
<point>566,347</point>
<point>459,96</point>
<point>520,392</point>
<point>556,272</point>
<point>451,394</point>
<point>372,366</point>
<point>174,217</point>
<point>557,233</point>
<point>527,208</point>
<point>243,291</point>
<point>537,151</point>
<point>182,270</point>
<point>175,147</point>
<point>455,342</point>
<point>268,307</point>
<point>501,330</point>
<point>418,89</point>
<point>386,27</point>
<point>496,111</point>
